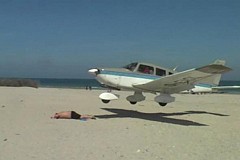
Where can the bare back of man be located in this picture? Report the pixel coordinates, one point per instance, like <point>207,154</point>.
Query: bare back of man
<point>71,115</point>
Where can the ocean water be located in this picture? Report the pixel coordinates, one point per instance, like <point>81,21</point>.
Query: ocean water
<point>229,83</point>
<point>94,84</point>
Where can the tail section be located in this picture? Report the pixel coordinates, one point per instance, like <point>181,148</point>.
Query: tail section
<point>215,79</point>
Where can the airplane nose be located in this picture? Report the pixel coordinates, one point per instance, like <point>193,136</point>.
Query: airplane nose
<point>94,71</point>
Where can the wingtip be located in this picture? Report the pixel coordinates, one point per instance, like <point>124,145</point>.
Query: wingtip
<point>214,69</point>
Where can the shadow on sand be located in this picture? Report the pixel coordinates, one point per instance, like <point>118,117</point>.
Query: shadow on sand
<point>159,117</point>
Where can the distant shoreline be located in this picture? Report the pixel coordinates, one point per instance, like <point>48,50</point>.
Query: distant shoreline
<point>84,84</point>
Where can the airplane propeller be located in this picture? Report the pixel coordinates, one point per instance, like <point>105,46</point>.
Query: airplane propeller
<point>94,71</point>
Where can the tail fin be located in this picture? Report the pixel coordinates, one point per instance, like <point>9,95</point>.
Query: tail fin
<point>215,79</point>
<point>220,62</point>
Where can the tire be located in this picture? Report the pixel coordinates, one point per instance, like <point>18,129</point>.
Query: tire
<point>133,102</point>
<point>162,104</point>
<point>105,101</point>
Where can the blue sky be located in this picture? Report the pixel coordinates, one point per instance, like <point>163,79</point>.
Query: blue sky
<point>64,38</point>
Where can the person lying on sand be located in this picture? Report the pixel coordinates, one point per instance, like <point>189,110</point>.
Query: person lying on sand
<point>71,115</point>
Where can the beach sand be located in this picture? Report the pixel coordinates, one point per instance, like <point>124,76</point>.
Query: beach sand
<point>199,127</point>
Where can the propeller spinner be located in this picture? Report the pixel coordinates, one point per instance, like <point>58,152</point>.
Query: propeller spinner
<point>94,71</point>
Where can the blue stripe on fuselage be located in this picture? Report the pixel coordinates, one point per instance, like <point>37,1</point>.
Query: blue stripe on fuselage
<point>145,76</point>
<point>130,74</point>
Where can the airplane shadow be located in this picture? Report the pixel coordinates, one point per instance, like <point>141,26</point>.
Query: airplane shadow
<point>159,117</point>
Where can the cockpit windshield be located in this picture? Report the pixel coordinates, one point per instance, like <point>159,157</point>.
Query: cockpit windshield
<point>131,66</point>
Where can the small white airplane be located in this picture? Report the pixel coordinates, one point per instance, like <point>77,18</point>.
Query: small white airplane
<point>208,88</point>
<point>144,77</point>
<point>202,88</point>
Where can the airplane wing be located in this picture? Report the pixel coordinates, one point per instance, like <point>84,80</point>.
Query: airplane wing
<point>226,88</point>
<point>182,80</point>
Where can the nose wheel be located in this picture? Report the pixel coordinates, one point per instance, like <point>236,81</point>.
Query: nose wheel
<point>105,101</point>
<point>107,97</point>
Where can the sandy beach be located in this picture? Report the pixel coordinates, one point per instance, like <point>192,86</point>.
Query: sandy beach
<point>199,127</point>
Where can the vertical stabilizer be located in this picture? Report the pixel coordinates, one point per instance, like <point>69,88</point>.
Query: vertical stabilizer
<point>215,79</point>
<point>220,62</point>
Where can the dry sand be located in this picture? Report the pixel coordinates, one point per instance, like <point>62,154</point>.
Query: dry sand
<point>195,127</point>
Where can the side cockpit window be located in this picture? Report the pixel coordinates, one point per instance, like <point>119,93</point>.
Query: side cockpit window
<point>145,69</point>
<point>160,72</point>
<point>131,66</point>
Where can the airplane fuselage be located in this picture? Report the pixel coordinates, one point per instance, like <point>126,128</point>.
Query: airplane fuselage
<point>122,79</point>
<point>144,77</point>
<point>132,74</point>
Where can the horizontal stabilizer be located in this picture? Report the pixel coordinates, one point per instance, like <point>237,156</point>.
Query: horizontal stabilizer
<point>214,69</point>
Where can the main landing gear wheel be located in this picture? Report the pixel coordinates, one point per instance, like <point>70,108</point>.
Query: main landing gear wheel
<point>162,104</point>
<point>105,101</point>
<point>133,102</point>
